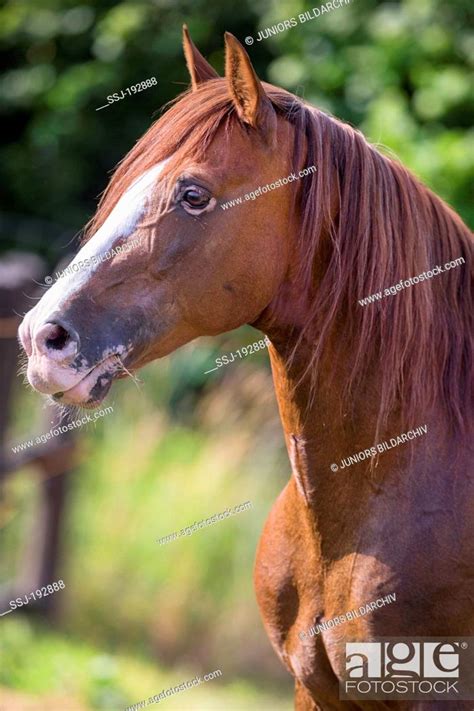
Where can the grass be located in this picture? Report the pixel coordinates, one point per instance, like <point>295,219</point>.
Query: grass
<point>44,663</point>
<point>177,450</point>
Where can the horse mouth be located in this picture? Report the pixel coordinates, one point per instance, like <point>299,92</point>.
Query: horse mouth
<point>89,392</point>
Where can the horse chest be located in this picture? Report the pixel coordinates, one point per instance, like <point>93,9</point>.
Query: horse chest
<point>288,580</point>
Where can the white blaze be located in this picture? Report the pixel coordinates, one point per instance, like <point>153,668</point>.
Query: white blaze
<point>120,223</point>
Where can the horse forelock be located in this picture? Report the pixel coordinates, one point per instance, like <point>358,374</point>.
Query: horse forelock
<point>387,227</point>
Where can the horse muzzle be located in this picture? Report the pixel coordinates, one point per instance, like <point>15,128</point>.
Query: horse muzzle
<point>56,366</point>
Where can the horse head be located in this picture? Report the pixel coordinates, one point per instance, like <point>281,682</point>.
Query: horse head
<point>167,257</point>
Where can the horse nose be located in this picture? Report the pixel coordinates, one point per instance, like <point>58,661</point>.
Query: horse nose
<point>57,341</point>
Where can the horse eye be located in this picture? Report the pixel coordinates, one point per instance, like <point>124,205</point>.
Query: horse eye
<point>195,198</point>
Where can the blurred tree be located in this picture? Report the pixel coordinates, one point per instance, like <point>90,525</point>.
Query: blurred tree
<point>400,71</point>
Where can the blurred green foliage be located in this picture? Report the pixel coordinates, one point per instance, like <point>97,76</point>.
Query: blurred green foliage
<point>55,671</point>
<point>176,449</point>
<point>401,71</point>
<point>186,445</point>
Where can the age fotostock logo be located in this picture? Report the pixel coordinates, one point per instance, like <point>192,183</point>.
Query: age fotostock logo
<point>419,669</point>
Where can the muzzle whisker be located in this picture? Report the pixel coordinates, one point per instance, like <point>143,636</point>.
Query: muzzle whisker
<point>133,377</point>
<point>41,284</point>
<point>34,298</point>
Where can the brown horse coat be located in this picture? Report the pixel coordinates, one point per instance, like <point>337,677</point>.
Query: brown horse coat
<point>295,263</point>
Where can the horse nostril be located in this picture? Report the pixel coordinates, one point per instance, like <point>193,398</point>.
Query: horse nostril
<point>56,341</point>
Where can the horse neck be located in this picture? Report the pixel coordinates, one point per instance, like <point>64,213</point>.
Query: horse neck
<point>315,418</point>
<point>324,425</point>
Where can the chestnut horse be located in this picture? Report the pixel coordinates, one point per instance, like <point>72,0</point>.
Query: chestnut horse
<point>294,263</point>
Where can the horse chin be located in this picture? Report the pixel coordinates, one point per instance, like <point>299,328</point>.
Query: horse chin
<point>93,388</point>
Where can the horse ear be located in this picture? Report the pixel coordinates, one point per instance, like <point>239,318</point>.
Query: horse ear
<point>198,67</point>
<point>252,104</point>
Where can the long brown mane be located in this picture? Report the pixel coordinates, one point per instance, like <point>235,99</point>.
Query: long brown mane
<point>388,227</point>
